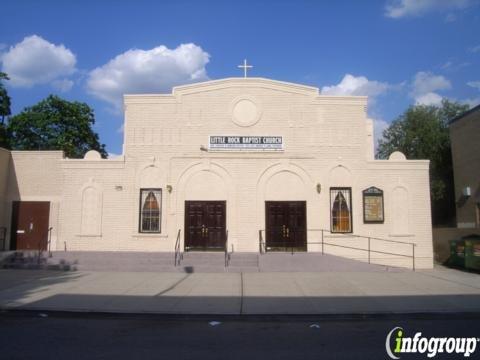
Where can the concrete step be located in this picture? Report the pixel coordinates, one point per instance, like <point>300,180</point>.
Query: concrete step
<point>243,269</point>
<point>23,260</point>
<point>33,266</point>
<point>112,255</point>
<point>201,269</point>
<point>192,262</point>
<point>204,259</point>
<point>243,260</point>
<point>203,255</point>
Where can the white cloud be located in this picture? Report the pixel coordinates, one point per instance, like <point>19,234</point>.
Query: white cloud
<point>472,102</point>
<point>62,85</point>
<point>426,82</point>
<point>360,85</point>
<point>379,126</point>
<point>475,100</point>
<point>474,84</point>
<point>447,65</point>
<point>474,49</point>
<point>36,61</point>
<point>430,98</point>
<point>113,155</point>
<point>405,8</point>
<point>147,71</point>
<point>452,66</point>
<point>425,86</point>
<point>356,85</point>
<point>450,18</point>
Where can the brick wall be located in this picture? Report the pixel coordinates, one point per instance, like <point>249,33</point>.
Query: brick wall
<point>4,170</point>
<point>327,141</point>
<point>464,135</point>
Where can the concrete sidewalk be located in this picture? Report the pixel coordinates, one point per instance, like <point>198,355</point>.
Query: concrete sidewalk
<point>439,290</point>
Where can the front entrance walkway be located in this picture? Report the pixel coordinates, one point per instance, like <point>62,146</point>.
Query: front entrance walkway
<point>438,290</point>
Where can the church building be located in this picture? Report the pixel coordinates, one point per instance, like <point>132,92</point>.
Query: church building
<point>243,164</point>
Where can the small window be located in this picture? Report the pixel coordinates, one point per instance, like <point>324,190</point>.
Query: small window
<point>341,210</point>
<point>150,210</point>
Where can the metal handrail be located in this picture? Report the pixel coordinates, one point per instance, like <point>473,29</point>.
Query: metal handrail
<point>261,243</point>
<point>361,236</point>
<point>368,250</point>
<point>178,253</point>
<point>3,237</point>
<point>227,255</point>
<point>46,248</point>
<point>49,241</point>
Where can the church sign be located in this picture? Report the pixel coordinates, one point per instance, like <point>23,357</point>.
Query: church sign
<point>373,205</point>
<point>240,143</point>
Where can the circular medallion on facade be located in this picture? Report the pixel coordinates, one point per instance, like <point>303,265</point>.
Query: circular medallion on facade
<point>245,111</point>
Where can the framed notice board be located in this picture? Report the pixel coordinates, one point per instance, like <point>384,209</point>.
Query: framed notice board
<point>373,212</point>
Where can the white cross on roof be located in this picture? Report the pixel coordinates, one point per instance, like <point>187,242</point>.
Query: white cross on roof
<point>245,67</point>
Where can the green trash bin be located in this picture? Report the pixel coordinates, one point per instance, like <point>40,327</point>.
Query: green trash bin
<point>457,253</point>
<point>472,252</point>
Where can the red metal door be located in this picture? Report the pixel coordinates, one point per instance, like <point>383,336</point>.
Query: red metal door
<point>30,221</point>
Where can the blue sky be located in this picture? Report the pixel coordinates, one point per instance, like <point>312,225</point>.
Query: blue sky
<point>398,52</point>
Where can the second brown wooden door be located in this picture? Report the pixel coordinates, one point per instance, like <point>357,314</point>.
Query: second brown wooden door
<point>286,225</point>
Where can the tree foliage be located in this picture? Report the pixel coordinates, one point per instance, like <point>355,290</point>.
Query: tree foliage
<point>4,98</point>
<point>55,124</point>
<point>4,110</point>
<point>422,133</point>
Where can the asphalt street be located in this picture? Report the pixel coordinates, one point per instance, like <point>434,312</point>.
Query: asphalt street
<point>36,335</point>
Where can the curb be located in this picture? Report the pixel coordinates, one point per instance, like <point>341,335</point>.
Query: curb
<point>21,313</point>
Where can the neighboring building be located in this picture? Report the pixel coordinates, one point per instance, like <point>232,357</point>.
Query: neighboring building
<point>240,154</point>
<point>4,171</point>
<point>465,139</point>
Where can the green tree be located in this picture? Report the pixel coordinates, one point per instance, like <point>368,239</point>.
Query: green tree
<point>422,133</point>
<point>4,98</point>
<point>4,110</point>
<point>55,124</point>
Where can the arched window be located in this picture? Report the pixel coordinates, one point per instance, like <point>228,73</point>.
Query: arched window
<point>400,213</point>
<point>340,206</point>
<point>91,219</point>
<point>150,210</point>
<point>89,209</point>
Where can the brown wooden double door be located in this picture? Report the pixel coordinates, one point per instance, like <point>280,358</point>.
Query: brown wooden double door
<point>205,225</point>
<point>30,221</point>
<point>286,225</point>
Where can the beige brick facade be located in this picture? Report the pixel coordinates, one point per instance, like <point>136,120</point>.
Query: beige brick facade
<point>328,142</point>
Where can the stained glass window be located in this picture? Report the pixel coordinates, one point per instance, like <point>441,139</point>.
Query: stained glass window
<point>150,210</point>
<point>341,210</point>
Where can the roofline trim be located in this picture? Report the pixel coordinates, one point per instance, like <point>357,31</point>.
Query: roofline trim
<point>247,80</point>
<point>466,113</point>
